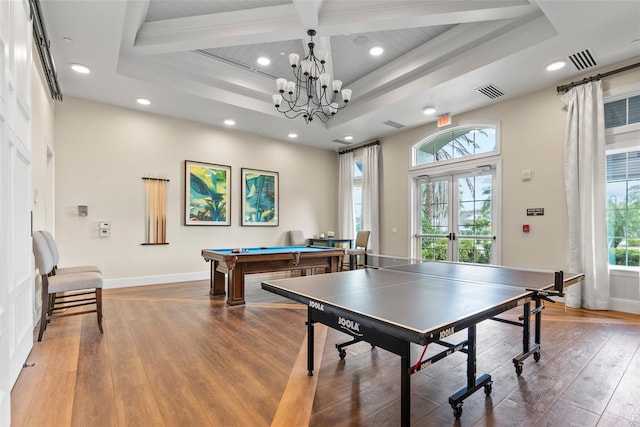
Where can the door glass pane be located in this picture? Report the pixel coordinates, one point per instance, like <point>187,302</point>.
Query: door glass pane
<point>434,216</point>
<point>434,249</point>
<point>475,213</point>
<point>434,200</point>
<point>474,250</point>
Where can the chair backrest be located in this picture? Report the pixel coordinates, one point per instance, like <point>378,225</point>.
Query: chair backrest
<point>296,238</point>
<point>362,239</point>
<point>53,247</point>
<point>42,253</point>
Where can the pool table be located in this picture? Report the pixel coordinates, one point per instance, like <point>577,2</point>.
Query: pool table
<point>236,263</point>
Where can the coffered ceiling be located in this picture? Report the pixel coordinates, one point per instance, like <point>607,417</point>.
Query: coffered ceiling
<point>196,59</point>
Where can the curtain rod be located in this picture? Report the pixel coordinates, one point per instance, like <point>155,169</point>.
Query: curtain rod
<point>146,178</point>
<point>565,88</point>
<point>363,145</point>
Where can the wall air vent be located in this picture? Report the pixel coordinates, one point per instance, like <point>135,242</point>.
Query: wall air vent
<point>491,91</point>
<point>583,60</point>
<point>394,124</point>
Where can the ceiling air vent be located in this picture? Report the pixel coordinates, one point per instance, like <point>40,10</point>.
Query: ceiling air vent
<point>583,60</point>
<point>224,59</point>
<point>491,91</point>
<point>394,124</point>
<point>339,141</point>
<point>264,73</point>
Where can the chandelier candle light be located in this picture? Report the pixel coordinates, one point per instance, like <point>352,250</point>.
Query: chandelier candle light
<point>307,95</point>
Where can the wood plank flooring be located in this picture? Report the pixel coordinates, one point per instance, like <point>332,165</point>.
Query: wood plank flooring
<point>172,356</point>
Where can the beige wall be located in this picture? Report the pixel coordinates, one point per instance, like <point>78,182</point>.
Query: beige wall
<point>42,130</point>
<point>102,152</point>
<point>42,171</point>
<point>532,132</point>
<point>532,137</point>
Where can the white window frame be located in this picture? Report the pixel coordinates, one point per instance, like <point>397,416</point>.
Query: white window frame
<point>619,139</point>
<point>452,167</point>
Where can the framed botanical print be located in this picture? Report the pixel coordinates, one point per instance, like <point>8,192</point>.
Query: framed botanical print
<point>259,197</point>
<point>207,193</point>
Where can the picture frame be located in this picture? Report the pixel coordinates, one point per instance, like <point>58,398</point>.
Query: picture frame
<point>207,189</point>
<point>260,197</point>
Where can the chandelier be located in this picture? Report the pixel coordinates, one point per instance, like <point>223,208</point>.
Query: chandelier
<point>311,94</point>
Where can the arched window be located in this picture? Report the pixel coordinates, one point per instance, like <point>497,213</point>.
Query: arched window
<point>464,141</point>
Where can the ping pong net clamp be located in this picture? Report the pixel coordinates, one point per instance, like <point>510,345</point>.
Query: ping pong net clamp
<point>537,295</point>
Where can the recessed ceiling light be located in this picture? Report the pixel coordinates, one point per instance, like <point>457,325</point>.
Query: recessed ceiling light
<point>428,110</point>
<point>79,68</point>
<point>292,135</point>
<point>229,122</point>
<point>556,65</point>
<point>348,137</point>
<point>263,60</point>
<point>143,101</point>
<point>376,51</point>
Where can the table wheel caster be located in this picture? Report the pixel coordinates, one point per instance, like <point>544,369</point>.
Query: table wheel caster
<point>457,410</point>
<point>342,353</point>
<point>488,388</point>
<point>518,368</point>
<point>536,356</point>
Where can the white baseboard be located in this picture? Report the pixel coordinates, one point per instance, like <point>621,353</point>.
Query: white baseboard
<point>625,305</point>
<point>126,282</point>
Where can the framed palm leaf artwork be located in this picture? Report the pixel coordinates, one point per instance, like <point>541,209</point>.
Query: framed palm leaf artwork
<point>207,194</point>
<point>259,197</point>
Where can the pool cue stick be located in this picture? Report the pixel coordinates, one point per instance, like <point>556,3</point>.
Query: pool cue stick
<point>155,213</point>
<point>147,190</point>
<point>163,204</point>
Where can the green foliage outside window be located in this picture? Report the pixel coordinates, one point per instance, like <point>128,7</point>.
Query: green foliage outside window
<point>623,208</point>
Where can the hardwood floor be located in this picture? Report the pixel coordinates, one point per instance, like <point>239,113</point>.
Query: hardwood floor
<point>172,356</point>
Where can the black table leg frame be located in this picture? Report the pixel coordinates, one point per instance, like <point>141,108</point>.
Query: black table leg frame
<point>473,383</point>
<point>310,344</point>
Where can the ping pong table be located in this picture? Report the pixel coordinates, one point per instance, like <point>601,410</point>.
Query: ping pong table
<point>424,302</point>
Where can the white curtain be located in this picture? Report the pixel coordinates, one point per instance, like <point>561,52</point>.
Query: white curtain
<point>586,196</point>
<point>345,200</point>
<point>370,196</point>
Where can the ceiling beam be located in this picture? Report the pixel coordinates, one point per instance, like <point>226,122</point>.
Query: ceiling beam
<point>289,22</point>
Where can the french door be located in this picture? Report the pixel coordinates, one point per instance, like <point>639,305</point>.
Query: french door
<point>457,216</point>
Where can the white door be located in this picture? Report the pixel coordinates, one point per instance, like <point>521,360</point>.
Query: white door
<point>457,218</point>
<point>16,265</point>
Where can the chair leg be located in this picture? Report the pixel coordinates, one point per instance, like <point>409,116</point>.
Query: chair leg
<point>99,308</point>
<point>44,309</point>
<point>52,303</point>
